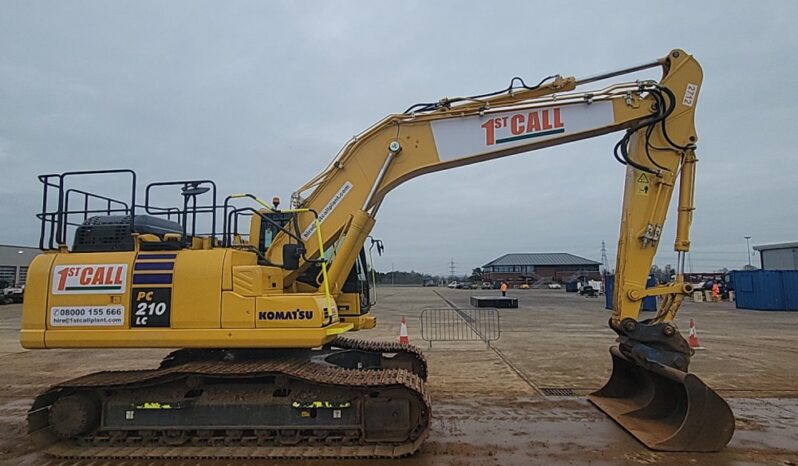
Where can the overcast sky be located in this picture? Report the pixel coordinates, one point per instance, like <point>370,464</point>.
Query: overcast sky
<point>261,95</point>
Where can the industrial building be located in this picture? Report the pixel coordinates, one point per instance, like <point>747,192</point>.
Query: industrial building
<point>14,261</point>
<point>782,256</point>
<point>530,268</point>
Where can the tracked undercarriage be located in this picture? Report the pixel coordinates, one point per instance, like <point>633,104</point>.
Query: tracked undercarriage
<point>349,399</point>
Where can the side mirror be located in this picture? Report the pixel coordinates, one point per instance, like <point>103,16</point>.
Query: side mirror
<point>194,190</point>
<point>291,255</point>
<point>378,243</point>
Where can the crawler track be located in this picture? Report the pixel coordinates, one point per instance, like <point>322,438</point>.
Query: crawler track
<point>412,352</point>
<point>274,404</point>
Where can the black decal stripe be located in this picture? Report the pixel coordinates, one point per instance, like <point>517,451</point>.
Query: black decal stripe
<point>154,266</point>
<point>152,278</point>
<point>142,256</point>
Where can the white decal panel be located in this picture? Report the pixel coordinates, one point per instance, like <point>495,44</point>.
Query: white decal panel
<point>89,279</point>
<point>328,209</point>
<point>466,137</point>
<point>87,316</point>
<point>689,94</point>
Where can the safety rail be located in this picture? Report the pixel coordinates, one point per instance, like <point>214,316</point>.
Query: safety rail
<point>65,206</point>
<point>190,190</point>
<point>450,324</point>
<point>233,213</point>
<point>55,214</point>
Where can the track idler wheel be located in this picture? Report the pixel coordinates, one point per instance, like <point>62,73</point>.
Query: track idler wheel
<point>664,408</point>
<point>74,415</point>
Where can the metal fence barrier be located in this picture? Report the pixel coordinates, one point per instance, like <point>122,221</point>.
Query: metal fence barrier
<point>460,325</point>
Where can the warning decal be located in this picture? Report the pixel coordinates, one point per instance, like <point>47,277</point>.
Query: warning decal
<point>643,185</point>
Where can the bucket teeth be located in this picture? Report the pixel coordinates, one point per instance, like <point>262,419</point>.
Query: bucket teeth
<point>664,408</point>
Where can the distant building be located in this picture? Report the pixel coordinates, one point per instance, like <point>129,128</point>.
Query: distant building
<point>559,267</point>
<point>14,261</point>
<point>782,256</point>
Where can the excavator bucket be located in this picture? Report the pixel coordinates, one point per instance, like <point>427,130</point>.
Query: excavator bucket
<point>664,408</point>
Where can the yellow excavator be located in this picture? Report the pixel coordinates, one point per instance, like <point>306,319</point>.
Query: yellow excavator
<point>259,298</point>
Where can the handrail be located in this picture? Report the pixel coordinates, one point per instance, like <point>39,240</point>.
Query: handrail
<point>59,199</point>
<point>86,196</point>
<point>58,218</point>
<point>195,209</point>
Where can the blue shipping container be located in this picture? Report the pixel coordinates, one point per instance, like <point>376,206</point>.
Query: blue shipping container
<point>649,303</point>
<point>766,290</point>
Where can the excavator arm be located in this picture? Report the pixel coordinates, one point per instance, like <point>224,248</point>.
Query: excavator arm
<point>650,393</point>
<point>658,148</point>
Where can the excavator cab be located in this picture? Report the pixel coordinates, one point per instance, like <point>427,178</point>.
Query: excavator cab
<point>358,281</point>
<point>265,226</point>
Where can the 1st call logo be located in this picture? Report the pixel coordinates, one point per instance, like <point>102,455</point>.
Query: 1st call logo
<point>151,307</point>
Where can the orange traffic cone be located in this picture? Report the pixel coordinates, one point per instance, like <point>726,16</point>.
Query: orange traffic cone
<point>403,338</point>
<point>692,337</point>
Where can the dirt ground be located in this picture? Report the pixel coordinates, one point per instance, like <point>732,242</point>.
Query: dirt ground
<point>490,404</point>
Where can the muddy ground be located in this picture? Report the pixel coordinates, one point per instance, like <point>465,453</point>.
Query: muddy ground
<point>491,405</point>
